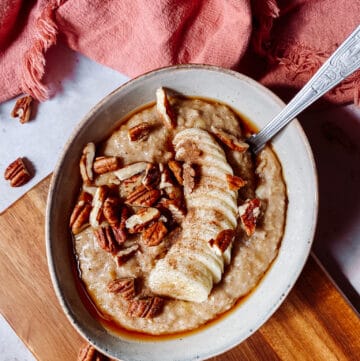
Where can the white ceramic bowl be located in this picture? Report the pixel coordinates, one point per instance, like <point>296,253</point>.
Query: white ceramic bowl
<point>259,105</point>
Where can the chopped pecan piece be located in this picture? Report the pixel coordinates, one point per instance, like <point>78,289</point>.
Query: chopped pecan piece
<point>235,182</point>
<point>22,109</point>
<point>97,203</point>
<point>90,353</point>
<point>137,222</point>
<point>152,176</point>
<point>176,170</point>
<point>229,140</point>
<point>106,239</point>
<point>124,255</point>
<point>130,170</point>
<point>86,163</point>
<point>174,192</point>
<point>164,109</point>
<point>189,177</point>
<point>143,197</point>
<point>249,213</point>
<point>154,234</point>
<point>223,240</point>
<point>123,286</point>
<point>139,132</point>
<point>146,307</point>
<point>111,210</point>
<point>106,164</point>
<point>17,173</point>
<point>80,215</point>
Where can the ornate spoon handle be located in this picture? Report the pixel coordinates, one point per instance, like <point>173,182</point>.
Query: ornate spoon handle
<point>342,63</point>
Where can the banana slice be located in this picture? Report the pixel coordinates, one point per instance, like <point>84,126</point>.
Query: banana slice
<point>191,267</point>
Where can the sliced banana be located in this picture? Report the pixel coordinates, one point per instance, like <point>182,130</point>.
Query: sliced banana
<point>191,267</point>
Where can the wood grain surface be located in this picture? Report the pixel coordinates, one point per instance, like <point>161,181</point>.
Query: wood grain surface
<point>313,323</point>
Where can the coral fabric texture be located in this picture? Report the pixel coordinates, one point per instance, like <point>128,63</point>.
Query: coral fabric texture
<point>280,43</point>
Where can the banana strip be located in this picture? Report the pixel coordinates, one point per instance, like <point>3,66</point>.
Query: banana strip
<point>191,267</point>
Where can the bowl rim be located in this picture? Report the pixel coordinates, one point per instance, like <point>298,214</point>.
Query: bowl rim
<point>78,128</point>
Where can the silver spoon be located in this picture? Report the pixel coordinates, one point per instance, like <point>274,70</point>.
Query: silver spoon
<point>342,63</point>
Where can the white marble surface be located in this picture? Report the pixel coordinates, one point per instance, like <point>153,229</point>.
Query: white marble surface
<point>334,135</point>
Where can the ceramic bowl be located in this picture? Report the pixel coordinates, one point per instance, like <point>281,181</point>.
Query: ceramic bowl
<point>257,104</point>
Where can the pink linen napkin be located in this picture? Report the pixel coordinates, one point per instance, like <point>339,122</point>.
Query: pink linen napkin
<point>281,43</point>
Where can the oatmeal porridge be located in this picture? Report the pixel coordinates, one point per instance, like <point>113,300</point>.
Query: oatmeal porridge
<point>175,220</point>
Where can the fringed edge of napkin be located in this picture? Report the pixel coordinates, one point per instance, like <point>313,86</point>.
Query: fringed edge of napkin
<point>298,59</point>
<point>34,59</point>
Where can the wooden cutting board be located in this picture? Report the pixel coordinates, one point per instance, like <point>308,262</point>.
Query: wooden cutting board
<point>314,322</point>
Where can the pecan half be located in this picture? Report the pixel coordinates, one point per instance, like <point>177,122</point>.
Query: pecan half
<point>124,255</point>
<point>106,164</point>
<point>249,213</point>
<point>123,286</point>
<point>223,240</point>
<point>106,239</point>
<point>130,170</point>
<point>234,182</point>
<point>146,307</point>
<point>189,177</point>
<point>86,163</point>
<point>137,222</point>
<point>229,140</point>
<point>111,210</point>
<point>152,176</point>
<point>17,173</point>
<point>143,197</point>
<point>164,109</point>
<point>90,353</point>
<point>80,215</point>
<point>97,203</point>
<point>22,109</point>
<point>154,234</point>
<point>139,132</point>
<point>176,170</point>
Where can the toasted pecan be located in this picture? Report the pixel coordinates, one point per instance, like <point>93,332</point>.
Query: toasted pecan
<point>223,240</point>
<point>146,307</point>
<point>22,109</point>
<point>230,140</point>
<point>111,210</point>
<point>249,213</point>
<point>154,234</point>
<point>17,173</point>
<point>106,164</point>
<point>143,197</point>
<point>80,215</point>
<point>164,109</point>
<point>234,182</point>
<point>176,170</point>
<point>126,254</point>
<point>86,163</point>
<point>139,132</point>
<point>123,286</point>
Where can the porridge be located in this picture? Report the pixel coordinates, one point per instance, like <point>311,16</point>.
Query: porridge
<point>175,220</point>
